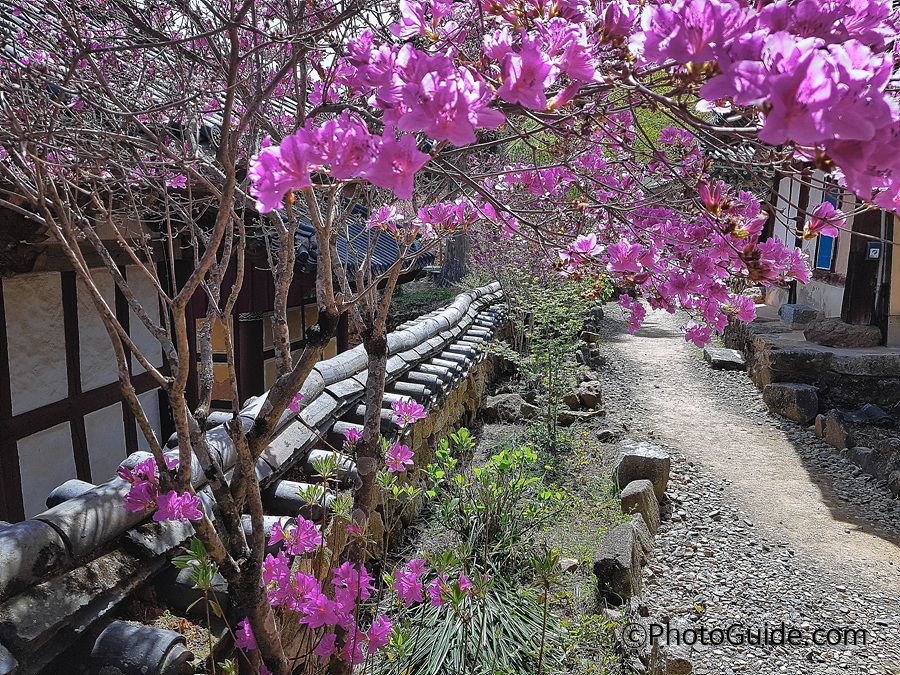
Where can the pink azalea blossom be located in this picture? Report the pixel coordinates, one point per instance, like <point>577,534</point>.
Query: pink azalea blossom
<point>398,457</point>
<point>320,611</point>
<point>244,635</point>
<point>396,165</point>
<point>699,335</point>
<point>407,583</point>
<point>435,590</point>
<point>824,219</point>
<point>325,648</point>
<point>352,651</point>
<point>303,538</point>
<point>352,585</point>
<point>586,245</point>
<point>407,412</point>
<point>623,256</point>
<point>464,582</point>
<point>173,506</point>
<point>141,496</point>
<point>526,76</point>
<point>351,438</point>
<point>294,405</point>
<point>379,633</point>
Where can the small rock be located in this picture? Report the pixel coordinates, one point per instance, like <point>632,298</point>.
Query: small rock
<point>797,315</point>
<point>590,393</point>
<point>568,564</point>
<point>504,407</point>
<point>836,434</point>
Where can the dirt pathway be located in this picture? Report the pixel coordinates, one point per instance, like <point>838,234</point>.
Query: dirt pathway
<point>767,521</point>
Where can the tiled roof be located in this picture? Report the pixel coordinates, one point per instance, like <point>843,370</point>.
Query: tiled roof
<point>353,244</point>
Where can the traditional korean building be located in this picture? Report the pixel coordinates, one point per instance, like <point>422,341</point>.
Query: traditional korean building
<point>854,278</point>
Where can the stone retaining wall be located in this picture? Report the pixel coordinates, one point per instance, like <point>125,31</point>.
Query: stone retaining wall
<point>845,377</point>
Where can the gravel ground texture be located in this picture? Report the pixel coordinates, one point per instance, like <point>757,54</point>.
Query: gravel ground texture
<point>764,524</point>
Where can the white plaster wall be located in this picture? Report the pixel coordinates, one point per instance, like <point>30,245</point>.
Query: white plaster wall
<point>146,294</point>
<point>98,360</point>
<point>46,460</point>
<point>150,402</point>
<point>106,441</point>
<point>826,298</point>
<point>37,351</point>
<point>785,212</point>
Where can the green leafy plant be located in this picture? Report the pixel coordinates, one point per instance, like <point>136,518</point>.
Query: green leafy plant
<point>494,509</point>
<point>496,629</point>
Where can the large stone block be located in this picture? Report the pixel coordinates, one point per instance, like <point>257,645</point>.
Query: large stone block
<point>590,393</point>
<point>724,359</point>
<point>798,402</point>
<point>636,461</point>
<point>797,315</point>
<point>618,565</point>
<point>503,407</point>
<point>639,497</point>
<point>836,433</point>
<point>835,333</point>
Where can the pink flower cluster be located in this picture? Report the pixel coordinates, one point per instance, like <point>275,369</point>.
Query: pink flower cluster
<point>303,593</point>
<point>407,412</point>
<point>674,258</point>
<point>818,69</point>
<point>344,148</point>
<point>352,438</point>
<point>398,457</point>
<point>303,538</point>
<point>144,493</point>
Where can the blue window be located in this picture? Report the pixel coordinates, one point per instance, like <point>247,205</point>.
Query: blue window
<point>825,245</point>
<point>823,254</point>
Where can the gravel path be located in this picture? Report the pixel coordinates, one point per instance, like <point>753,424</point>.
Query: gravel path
<point>764,525</point>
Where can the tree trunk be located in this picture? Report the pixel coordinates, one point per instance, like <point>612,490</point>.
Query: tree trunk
<point>368,459</point>
<point>455,255</point>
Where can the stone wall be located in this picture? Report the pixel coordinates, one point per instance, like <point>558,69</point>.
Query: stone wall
<point>846,378</point>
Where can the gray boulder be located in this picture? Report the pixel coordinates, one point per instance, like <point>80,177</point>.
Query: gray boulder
<point>618,565</point>
<point>835,333</point>
<point>636,461</point>
<point>724,359</point>
<point>797,315</point>
<point>798,402</point>
<point>639,497</point>
<point>590,393</point>
<point>504,407</point>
